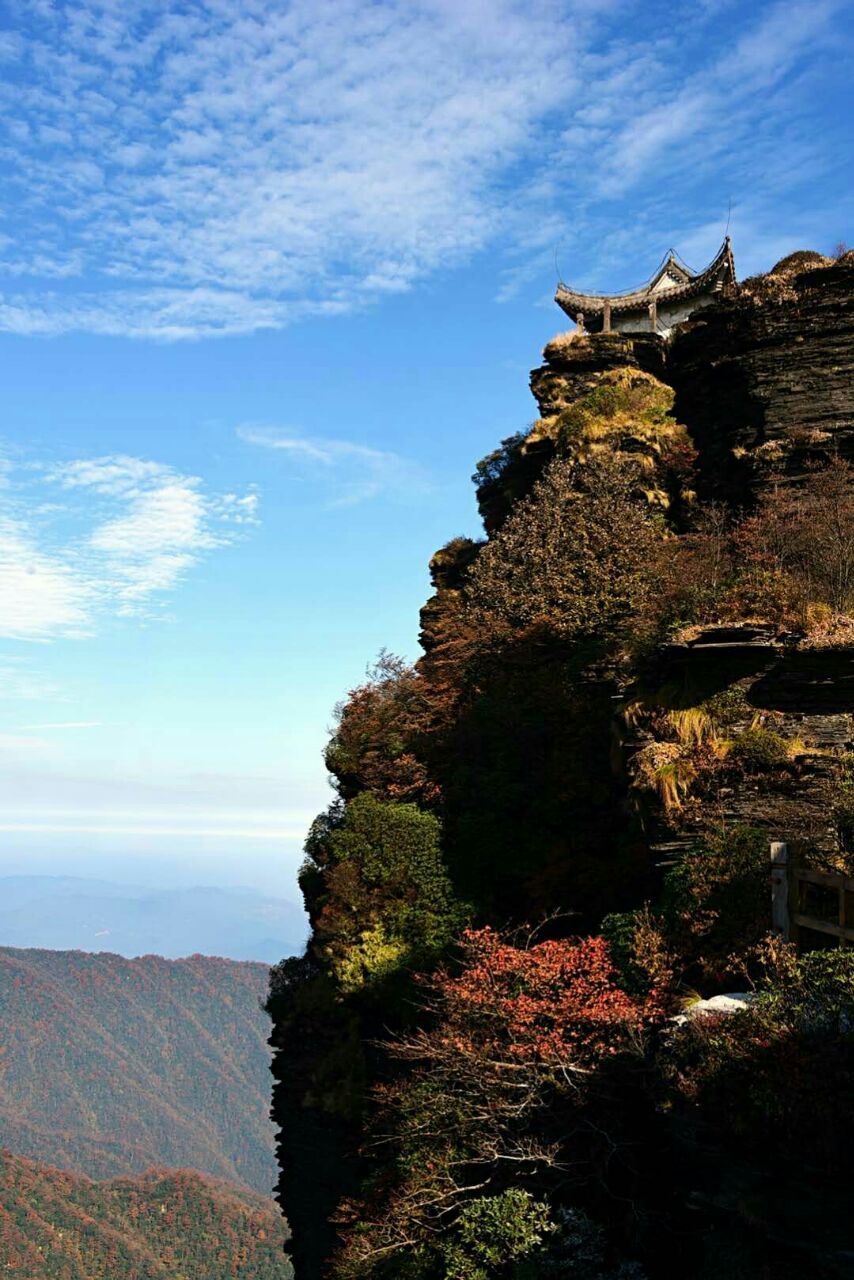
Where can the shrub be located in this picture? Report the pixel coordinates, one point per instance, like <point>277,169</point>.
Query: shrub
<point>813,993</point>
<point>509,1059</point>
<point>758,749</point>
<point>716,903</point>
<point>807,533</point>
<point>640,951</point>
<point>493,1231</point>
<point>776,1077</point>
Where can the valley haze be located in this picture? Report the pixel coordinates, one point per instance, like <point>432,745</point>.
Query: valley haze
<point>64,913</point>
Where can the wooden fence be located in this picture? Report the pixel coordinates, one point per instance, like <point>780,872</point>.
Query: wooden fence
<point>808,903</point>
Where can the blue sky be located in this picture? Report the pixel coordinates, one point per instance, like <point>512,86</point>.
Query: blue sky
<point>273,276</point>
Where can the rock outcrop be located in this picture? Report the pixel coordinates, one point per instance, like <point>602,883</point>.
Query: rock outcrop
<point>792,709</point>
<point>768,373</point>
<point>763,379</point>
<point>626,693</point>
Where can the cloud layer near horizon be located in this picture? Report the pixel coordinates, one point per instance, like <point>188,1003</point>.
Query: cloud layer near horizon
<point>182,169</point>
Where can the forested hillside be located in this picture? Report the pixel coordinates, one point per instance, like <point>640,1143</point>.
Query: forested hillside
<point>552,837</point>
<point>110,1066</point>
<point>161,1225</point>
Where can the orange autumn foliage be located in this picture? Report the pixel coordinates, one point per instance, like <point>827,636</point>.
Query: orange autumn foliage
<point>556,1002</point>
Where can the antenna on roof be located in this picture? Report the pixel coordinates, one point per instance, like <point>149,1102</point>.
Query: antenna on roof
<point>728,216</point>
<point>557,268</point>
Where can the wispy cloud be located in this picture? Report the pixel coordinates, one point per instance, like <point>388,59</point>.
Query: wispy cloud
<point>351,473</point>
<point>40,594</point>
<point>66,724</point>
<point>118,534</point>
<point>20,681</point>
<point>176,171</point>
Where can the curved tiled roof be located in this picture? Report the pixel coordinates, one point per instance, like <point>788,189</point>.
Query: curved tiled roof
<point>720,271</point>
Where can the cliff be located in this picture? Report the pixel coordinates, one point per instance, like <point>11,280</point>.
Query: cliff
<point>556,827</point>
<point>770,370</point>
<point>763,381</point>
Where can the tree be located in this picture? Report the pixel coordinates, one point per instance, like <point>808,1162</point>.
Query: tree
<point>502,1086</point>
<point>807,532</point>
<point>575,557</point>
<point>381,896</point>
<point>374,746</point>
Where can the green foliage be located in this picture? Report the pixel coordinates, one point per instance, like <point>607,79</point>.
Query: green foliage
<point>385,900</point>
<point>493,1231</point>
<point>618,930</point>
<point>625,400</point>
<point>715,901</point>
<point>758,749</point>
<point>371,958</point>
<point>728,706</point>
<point>577,1251</point>
<point>813,994</point>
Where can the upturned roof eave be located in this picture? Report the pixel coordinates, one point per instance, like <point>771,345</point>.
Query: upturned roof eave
<point>572,302</point>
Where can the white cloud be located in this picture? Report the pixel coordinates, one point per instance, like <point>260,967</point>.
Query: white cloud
<point>224,168</point>
<point>39,594</point>
<point>237,167</point>
<point>352,473</point>
<point>234,167</point>
<point>116,475</point>
<point>127,532</point>
<point>66,724</point>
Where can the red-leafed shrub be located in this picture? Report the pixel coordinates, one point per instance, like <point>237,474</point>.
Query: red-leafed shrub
<point>509,1084</point>
<point>555,1003</point>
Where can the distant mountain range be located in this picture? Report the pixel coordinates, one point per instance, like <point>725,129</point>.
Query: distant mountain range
<point>67,913</point>
<point>162,1225</point>
<point>109,1066</point>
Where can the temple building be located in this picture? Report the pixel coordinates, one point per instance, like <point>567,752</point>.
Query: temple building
<point>664,301</point>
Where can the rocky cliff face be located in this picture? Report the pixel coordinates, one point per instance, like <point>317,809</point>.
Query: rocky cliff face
<point>761,388</point>
<point>626,692</point>
<point>769,372</point>
<point>762,379</point>
<point>765,690</point>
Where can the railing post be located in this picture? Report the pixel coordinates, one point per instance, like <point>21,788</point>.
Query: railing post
<point>780,922</point>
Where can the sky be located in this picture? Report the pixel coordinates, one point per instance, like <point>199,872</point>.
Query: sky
<point>272,277</point>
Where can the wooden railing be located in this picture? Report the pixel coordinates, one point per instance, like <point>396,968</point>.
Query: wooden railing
<point>821,902</point>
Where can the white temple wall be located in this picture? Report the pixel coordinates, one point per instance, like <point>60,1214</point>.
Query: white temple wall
<point>668,316</point>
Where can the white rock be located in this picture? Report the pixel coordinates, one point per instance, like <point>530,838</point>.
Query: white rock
<point>732,1002</point>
